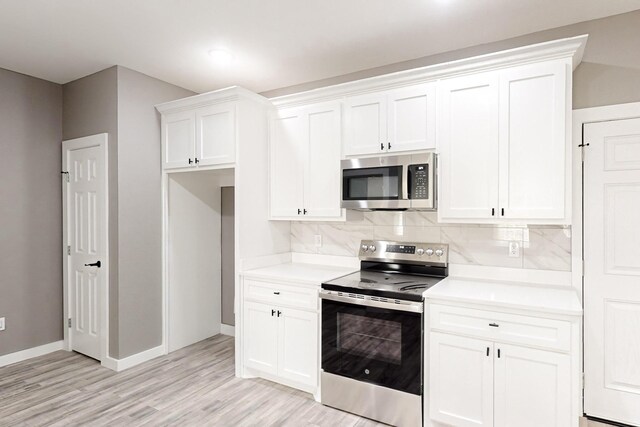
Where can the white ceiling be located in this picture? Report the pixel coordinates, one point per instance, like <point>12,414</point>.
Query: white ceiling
<point>276,43</point>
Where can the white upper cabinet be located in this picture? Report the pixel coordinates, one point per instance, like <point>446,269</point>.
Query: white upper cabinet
<point>215,134</point>
<point>468,144</point>
<point>178,139</point>
<point>390,121</point>
<point>286,164</point>
<point>533,141</point>
<point>305,151</point>
<point>200,131</point>
<point>503,143</point>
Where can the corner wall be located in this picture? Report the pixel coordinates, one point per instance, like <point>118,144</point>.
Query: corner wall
<point>30,212</point>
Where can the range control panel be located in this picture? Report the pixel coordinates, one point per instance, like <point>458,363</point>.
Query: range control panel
<point>382,250</point>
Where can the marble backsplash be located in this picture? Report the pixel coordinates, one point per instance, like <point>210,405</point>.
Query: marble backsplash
<point>541,247</point>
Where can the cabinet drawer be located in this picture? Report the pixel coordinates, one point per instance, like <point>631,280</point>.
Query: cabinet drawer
<point>282,295</point>
<point>504,327</point>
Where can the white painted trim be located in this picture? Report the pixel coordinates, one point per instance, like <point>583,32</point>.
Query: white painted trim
<point>522,275</point>
<point>19,356</point>
<point>572,47</point>
<point>101,140</point>
<point>232,93</point>
<point>581,117</point>
<point>119,365</point>
<point>227,330</point>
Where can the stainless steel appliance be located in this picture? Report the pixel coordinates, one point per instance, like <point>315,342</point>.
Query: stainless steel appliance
<point>390,183</point>
<point>372,331</point>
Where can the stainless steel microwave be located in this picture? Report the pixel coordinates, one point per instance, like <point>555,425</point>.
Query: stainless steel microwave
<point>405,182</point>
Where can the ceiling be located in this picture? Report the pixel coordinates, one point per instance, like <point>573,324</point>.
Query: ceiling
<point>276,43</point>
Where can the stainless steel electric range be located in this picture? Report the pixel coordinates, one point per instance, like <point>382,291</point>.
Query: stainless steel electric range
<point>372,331</point>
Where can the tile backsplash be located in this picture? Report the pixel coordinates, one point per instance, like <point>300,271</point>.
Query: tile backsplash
<point>541,247</point>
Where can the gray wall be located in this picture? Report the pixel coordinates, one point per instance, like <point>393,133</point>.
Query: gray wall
<point>90,106</point>
<point>121,102</point>
<point>140,209</point>
<point>228,255</point>
<point>30,212</point>
<point>609,73</point>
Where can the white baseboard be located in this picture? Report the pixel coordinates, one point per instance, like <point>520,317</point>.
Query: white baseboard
<point>41,350</point>
<point>119,365</point>
<point>228,330</point>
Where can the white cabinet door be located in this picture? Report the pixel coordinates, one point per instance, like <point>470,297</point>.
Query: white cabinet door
<point>532,388</point>
<point>322,173</point>
<point>533,141</point>
<point>461,380</point>
<point>411,118</point>
<point>216,134</point>
<point>468,143</point>
<point>178,139</point>
<point>260,337</point>
<point>298,346</point>
<point>286,164</point>
<point>366,124</point>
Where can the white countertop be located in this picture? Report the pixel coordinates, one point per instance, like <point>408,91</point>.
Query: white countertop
<point>312,274</point>
<point>540,298</point>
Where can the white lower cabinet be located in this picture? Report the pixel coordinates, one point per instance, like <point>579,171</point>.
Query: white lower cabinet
<point>279,340</point>
<point>475,381</point>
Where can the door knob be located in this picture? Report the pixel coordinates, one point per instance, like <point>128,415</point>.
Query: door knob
<point>94,264</point>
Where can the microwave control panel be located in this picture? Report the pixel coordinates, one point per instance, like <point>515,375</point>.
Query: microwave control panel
<point>418,181</point>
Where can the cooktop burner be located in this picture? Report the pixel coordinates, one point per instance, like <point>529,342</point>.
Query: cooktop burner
<point>395,270</point>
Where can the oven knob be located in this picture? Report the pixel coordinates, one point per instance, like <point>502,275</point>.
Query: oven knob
<point>365,248</point>
<point>420,251</point>
<point>439,252</point>
<point>366,371</point>
<point>429,252</point>
<point>372,248</point>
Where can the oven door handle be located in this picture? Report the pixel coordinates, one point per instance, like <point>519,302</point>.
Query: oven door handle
<point>410,306</point>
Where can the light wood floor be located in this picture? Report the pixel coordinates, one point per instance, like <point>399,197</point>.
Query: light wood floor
<point>194,386</point>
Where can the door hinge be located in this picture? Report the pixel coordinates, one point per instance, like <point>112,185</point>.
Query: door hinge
<point>69,250</point>
<point>65,175</point>
<point>69,322</point>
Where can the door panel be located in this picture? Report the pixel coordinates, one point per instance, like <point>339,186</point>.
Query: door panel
<point>532,387</point>
<point>286,166</point>
<point>461,380</point>
<point>366,124</point>
<point>260,337</point>
<point>533,142</point>
<point>412,117</point>
<point>178,139</point>
<point>322,174</point>
<point>86,227</point>
<point>612,270</point>
<point>216,135</point>
<point>298,346</point>
<point>468,144</point>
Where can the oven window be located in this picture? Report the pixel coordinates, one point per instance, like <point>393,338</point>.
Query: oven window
<point>382,183</point>
<point>373,338</point>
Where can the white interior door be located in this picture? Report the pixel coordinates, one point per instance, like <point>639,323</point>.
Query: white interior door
<point>612,270</point>
<point>85,161</point>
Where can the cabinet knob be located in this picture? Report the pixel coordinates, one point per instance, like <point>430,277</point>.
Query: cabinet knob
<point>273,312</point>
<point>197,161</point>
<point>304,211</point>
<point>279,313</point>
<point>502,211</point>
<point>389,146</point>
<point>381,146</point>
<point>493,211</point>
<point>299,211</point>
<point>495,325</point>
<point>190,161</point>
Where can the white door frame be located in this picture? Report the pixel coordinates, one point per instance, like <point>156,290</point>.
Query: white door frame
<point>99,140</point>
<point>580,118</point>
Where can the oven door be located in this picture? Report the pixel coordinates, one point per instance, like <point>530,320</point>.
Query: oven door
<point>373,341</point>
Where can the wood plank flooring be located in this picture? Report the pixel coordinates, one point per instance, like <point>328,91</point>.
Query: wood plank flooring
<point>194,386</point>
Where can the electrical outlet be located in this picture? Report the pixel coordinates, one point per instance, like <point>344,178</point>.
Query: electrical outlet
<point>317,240</point>
<point>1,323</point>
<point>514,249</point>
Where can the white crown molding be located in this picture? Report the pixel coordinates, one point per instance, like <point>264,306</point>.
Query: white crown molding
<point>19,356</point>
<point>233,93</point>
<point>572,47</point>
